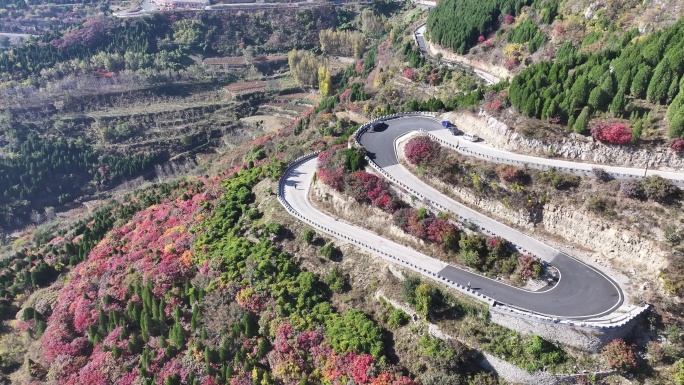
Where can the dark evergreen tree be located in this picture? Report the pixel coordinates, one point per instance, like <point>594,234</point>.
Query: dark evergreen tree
<point>582,122</point>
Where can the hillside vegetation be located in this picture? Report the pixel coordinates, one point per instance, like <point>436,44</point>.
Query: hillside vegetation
<point>208,280</point>
<point>457,24</point>
<point>577,85</point>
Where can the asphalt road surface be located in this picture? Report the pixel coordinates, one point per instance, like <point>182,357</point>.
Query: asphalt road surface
<point>422,46</point>
<point>582,292</point>
<point>492,154</point>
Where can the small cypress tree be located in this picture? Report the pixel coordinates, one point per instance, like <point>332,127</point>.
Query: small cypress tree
<point>194,321</point>
<point>262,348</point>
<point>617,106</point>
<point>582,121</point>
<point>223,351</point>
<point>116,351</point>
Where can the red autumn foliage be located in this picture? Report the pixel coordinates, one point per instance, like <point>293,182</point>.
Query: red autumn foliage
<point>333,178</point>
<point>410,73</point>
<point>441,231</point>
<point>434,78</point>
<point>420,149</point>
<point>331,175</point>
<point>677,145</point>
<point>368,188</point>
<point>345,96</point>
<point>295,353</point>
<point>511,63</point>
<point>359,66</point>
<point>619,355</point>
<point>510,174</point>
<point>481,39</point>
<point>509,19</point>
<point>427,228</point>
<point>559,29</point>
<point>251,300</point>
<point>362,186</point>
<point>156,244</point>
<point>613,133</point>
<point>86,35</point>
<point>493,106</point>
<point>529,267</point>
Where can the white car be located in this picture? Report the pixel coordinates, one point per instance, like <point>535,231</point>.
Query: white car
<point>471,137</point>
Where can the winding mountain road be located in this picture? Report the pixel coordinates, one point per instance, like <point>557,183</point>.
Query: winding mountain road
<point>419,35</point>
<point>484,151</point>
<point>581,293</point>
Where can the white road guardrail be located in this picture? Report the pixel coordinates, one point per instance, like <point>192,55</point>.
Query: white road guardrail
<point>610,324</point>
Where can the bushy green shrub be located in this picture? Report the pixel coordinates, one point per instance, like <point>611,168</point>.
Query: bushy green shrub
<point>272,228</point>
<point>355,332</point>
<point>308,236</point>
<point>658,188</point>
<point>408,288</point>
<point>398,318</point>
<point>336,280</point>
<point>330,251</point>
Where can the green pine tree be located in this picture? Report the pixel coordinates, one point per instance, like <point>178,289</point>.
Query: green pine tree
<point>641,81</point>
<point>582,122</point>
<point>580,91</point>
<point>676,126</point>
<point>617,106</point>
<point>194,321</point>
<point>660,83</point>
<point>672,90</point>
<point>597,99</point>
<point>675,106</point>
<point>637,130</point>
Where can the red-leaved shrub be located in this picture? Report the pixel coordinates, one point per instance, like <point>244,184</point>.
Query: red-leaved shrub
<point>677,145</point>
<point>359,66</point>
<point>493,106</point>
<point>510,174</point>
<point>409,73</point>
<point>613,133</point>
<point>619,355</point>
<point>529,267</point>
<point>345,96</point>
<point>509,19</point>
<point>510,64</point>
<point>489,43</point>
<point>420,149</point>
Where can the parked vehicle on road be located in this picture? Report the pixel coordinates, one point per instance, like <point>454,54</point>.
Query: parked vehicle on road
<point>471,137</point>
<point>378,126</point>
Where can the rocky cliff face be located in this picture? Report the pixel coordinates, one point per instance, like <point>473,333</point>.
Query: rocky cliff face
<point>470,61</point>
<point>609,245</point>
<point>622,248</point>
<point>575,147</point>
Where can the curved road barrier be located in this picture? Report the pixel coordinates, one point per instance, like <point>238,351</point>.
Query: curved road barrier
<point>582,298</point>
<point>480,150</point>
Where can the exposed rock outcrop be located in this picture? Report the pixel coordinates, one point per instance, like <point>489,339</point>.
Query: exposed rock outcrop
<point>576,147</point>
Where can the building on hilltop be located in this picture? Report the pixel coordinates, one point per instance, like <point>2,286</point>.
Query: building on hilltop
<point>224,64</point>
<point>233,63</point>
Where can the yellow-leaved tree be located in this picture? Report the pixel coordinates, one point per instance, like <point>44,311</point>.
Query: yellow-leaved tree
<point>324,81</point>
<point>304,67</point>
